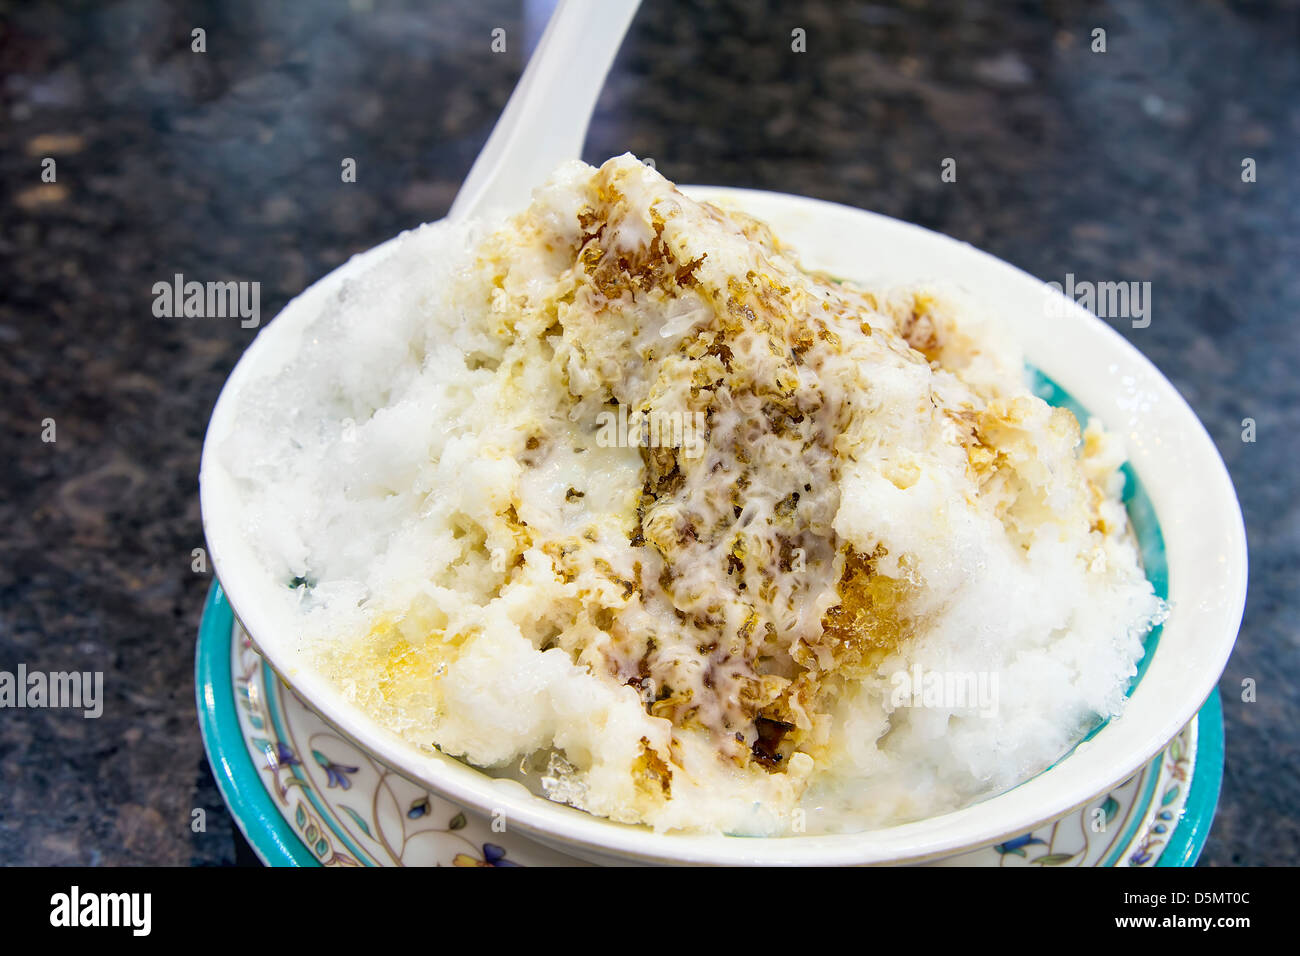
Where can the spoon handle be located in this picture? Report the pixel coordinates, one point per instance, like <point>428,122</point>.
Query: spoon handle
<point>546,120</point>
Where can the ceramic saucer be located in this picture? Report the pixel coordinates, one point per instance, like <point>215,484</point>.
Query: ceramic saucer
<point>303,795</point>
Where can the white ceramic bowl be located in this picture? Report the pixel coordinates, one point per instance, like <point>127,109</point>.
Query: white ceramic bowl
<point>1177,462</point>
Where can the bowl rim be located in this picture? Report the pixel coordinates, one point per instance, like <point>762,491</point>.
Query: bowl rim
<point>275,841</point>
<point>1099,763</point>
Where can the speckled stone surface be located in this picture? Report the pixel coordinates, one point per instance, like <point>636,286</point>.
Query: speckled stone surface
<point>1124,165</point>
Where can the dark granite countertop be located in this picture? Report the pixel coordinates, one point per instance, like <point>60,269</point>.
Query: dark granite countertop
<point>226,165</point>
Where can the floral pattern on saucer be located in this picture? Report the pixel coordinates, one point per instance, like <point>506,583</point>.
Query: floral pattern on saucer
<point>1126,827</point>
<point>350,810</point>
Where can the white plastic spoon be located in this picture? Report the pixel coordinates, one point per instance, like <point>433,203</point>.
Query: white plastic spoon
<point>545,122</point>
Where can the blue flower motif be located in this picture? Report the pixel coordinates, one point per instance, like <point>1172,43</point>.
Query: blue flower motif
<point>1140,857</point>
<point>336,774</point>
<point>494,855</point>
<point>1017,846</point>
<point>284,755</point>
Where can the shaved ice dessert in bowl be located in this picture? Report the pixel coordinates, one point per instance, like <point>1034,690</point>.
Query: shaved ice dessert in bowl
<point>651,519</point>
